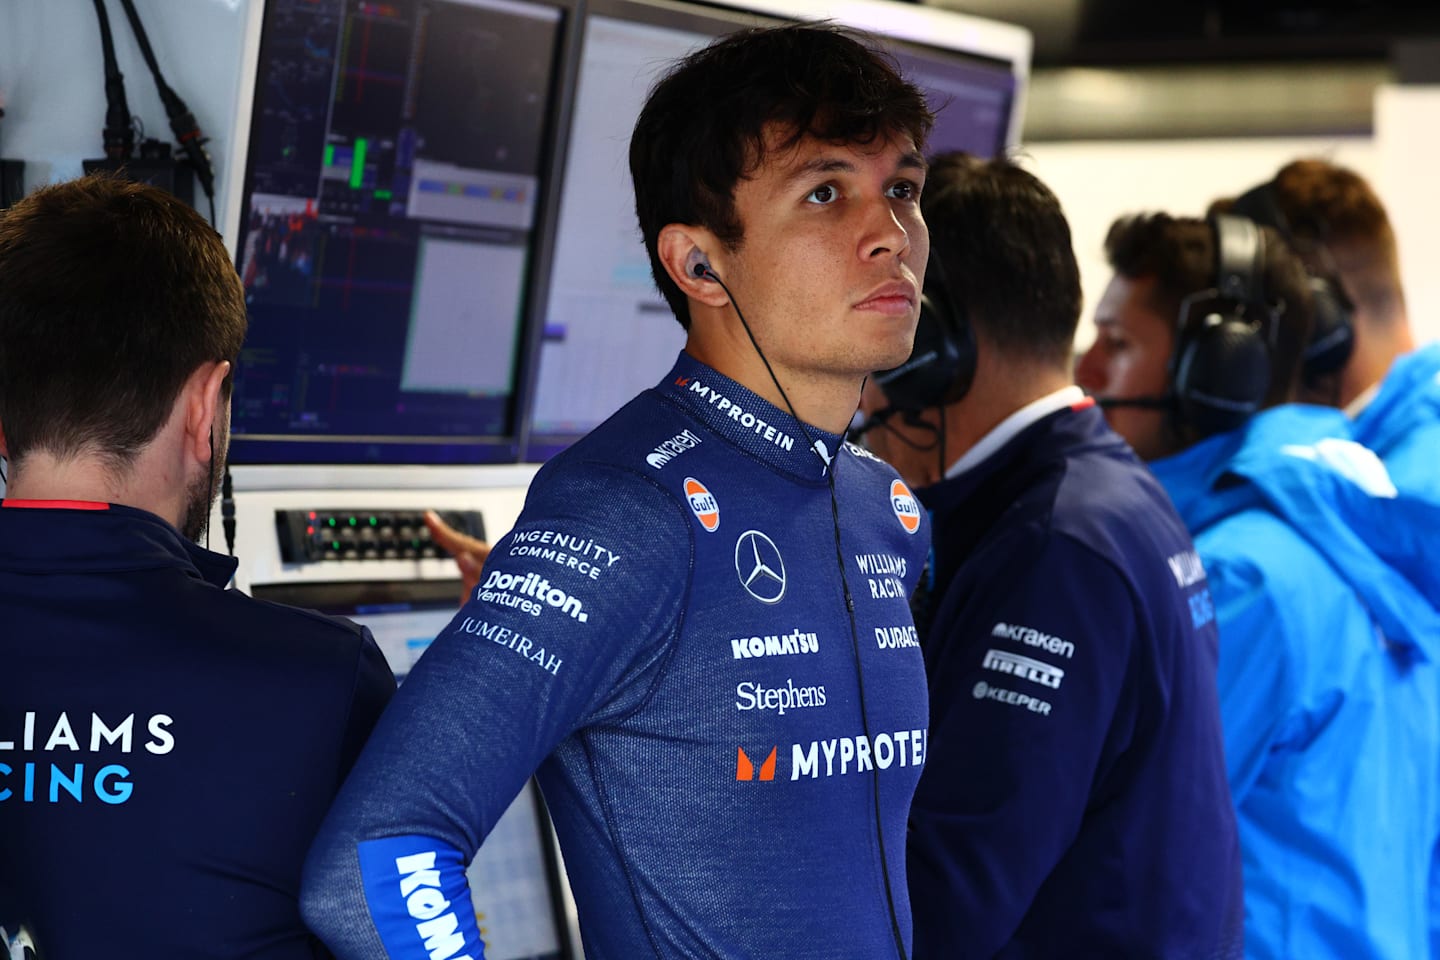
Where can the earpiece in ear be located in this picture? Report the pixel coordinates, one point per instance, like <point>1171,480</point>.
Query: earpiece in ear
<point>698,265</point>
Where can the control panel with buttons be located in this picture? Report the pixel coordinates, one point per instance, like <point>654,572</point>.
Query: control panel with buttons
<point>313,536</point>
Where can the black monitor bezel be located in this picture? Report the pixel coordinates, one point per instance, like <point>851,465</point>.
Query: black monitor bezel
<point>385,450</point>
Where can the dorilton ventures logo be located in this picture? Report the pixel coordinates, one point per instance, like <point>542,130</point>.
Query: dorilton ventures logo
<point>745,769</point>
<point>759,566</point>
<point>702,504</point>
<point>907,509</point>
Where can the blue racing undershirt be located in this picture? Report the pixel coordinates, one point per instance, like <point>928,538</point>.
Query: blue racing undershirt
<point>664,636</point>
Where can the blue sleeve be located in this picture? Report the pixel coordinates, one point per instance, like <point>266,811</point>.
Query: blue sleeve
<point>1034,651</point>
<point>1257,677</point>
<point>569,627</point>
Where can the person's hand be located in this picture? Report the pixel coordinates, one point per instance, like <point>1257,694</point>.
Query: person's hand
<point>468,552</point>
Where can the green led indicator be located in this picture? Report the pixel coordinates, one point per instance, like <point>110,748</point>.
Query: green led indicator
<point>352,521</point>
<point>329,154</point>
<point>332,521</point>
<point>357,163</point>
<point>373,521</point>
<point>383,194</point>
<point>335,544</point>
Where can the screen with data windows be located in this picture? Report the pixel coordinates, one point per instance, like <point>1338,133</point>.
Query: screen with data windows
<point>399,153</point>
<point>607,333</point>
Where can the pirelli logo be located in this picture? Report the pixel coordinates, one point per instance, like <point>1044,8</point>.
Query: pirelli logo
<point>1025,668</point>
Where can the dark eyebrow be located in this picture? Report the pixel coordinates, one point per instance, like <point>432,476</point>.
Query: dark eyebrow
<point>818,165</point>
<point>908,161</point>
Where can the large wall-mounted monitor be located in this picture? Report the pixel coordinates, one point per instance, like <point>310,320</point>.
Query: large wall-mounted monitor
<point>393,202</point>
<point>606,332</point>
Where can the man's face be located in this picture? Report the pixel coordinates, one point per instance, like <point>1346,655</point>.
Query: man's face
<point>1130,358</point>
<point>833,257</point>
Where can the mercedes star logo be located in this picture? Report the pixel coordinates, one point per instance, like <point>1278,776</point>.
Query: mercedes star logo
<point>758,564</point>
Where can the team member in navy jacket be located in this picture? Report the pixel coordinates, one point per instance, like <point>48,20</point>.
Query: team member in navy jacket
<point>1074,800</point>
<point>167,747</point>
<point>697,631</point>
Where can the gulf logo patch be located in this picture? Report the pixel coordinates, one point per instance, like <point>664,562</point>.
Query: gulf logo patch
<point>703,505</point>
<point>903,502</point>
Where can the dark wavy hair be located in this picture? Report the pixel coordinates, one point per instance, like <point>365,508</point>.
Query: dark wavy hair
<point>1179,252</point>
<point>112,293</point>
<point>1005,254</point>
<point>704,124</point>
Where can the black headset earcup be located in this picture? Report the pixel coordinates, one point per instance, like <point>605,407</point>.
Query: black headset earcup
<point>923,380</point>
<point>1221,373</point>
<point>941,366</point>
<point>1332,339</point>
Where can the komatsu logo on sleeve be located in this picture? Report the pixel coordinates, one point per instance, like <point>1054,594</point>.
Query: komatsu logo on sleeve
<point>512,589</point>
<point>672,448</point>
<point>418,899</point>
<point>1033,638</point>
<point>438,928</point>
<point>1025,668</point>
<point>745,418</point>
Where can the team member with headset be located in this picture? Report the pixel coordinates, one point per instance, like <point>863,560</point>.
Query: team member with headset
<point>1328,645</point>
<point>1074,800</point>
<point>697,631</point>
<point>167,747</point>
<point>1336,223</point>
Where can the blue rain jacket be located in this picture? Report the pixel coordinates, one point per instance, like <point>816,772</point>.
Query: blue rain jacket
<point>1328,689</point>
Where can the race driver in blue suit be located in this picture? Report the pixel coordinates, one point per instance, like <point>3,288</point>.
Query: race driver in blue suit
<point>1327,677</point>
<point>1074,802</point>
<point>698,630</point>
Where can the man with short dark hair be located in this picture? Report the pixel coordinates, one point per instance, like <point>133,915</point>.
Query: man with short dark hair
<point>697,631</point>
<point>1074,801</point>
<point>1328,641</point>
<point>167,747</point>
<point>1334,220</point>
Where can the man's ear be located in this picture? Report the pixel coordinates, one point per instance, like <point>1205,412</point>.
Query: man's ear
<point>680,247</point>
<point>202,399</point>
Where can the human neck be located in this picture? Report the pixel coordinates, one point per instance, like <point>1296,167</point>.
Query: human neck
<point>827,402</point>
<point>89,477</point>
<point>1000,388</point>
<point>1375,350</point>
